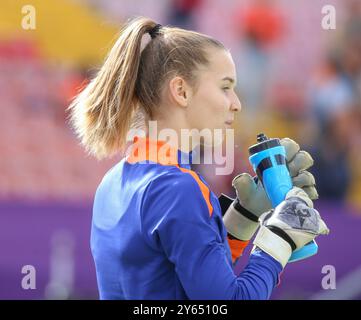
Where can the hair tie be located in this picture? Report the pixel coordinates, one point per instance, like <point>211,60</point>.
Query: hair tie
<point>155,31</point>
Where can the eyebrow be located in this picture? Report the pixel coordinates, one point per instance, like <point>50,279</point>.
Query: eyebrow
<point>231,80</point>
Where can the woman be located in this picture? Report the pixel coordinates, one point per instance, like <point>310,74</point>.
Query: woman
<point>157,229</point>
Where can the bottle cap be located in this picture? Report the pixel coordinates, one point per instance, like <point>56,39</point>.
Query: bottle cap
<point>263,144</point>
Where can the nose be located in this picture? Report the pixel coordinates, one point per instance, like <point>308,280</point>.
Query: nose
<point>236,105</point>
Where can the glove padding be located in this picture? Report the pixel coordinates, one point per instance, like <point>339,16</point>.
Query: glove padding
<point>288,227</point>
<point>252,198</point>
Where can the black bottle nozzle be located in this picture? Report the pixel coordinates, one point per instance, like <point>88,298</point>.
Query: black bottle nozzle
<point>261,137</point>
<point>263,143</point>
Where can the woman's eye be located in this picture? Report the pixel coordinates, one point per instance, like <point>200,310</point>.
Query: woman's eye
<point>226,88</point>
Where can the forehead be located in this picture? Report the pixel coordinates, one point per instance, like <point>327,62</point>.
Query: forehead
<point>221,64</point>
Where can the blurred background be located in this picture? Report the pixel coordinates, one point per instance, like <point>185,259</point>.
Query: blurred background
<point>295,79</point>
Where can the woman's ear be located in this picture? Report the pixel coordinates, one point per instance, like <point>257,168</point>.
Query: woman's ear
<point>179,91</point>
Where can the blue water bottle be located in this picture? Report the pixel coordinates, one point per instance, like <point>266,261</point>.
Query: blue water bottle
<point>268,159</point>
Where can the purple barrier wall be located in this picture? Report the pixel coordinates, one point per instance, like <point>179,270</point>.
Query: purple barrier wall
<point>26,231</point>
<point>27,238</point>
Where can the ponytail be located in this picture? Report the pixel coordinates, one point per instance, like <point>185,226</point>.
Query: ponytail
<point>130,82</point>
<point>102,113</point>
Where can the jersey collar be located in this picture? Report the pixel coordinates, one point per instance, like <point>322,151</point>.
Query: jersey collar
<point>145,150</point>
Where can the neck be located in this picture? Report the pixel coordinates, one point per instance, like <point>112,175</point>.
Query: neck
<point>171,129</point>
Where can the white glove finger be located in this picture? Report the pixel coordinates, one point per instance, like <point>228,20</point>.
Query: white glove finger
<point>300,162</point>
<point>299,193</point>
<point>311,192</point>
<point>291,148</point>
<point>245,186</point>
<point>323,229</point>
<point>304,179</point>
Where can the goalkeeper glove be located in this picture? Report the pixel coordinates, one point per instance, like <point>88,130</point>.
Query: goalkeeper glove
<point>241,218</point>
<point>288,227</point>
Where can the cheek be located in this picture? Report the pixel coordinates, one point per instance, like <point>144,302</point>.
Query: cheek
<point>209,108</point>
<point>216,102</point>
<point>220,105</point>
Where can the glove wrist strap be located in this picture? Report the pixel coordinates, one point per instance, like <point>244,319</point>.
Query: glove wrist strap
<point>274,245</point>
<point>242,210</point>
<point>283,235</point>
<point>238,224</point>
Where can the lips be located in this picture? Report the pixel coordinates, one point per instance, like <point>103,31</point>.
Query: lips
<point>229,122</point>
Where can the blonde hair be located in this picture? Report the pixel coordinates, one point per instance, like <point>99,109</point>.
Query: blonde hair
<point>130,82</point>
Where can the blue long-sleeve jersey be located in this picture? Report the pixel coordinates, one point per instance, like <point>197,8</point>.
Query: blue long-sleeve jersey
<point>157,233</point>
